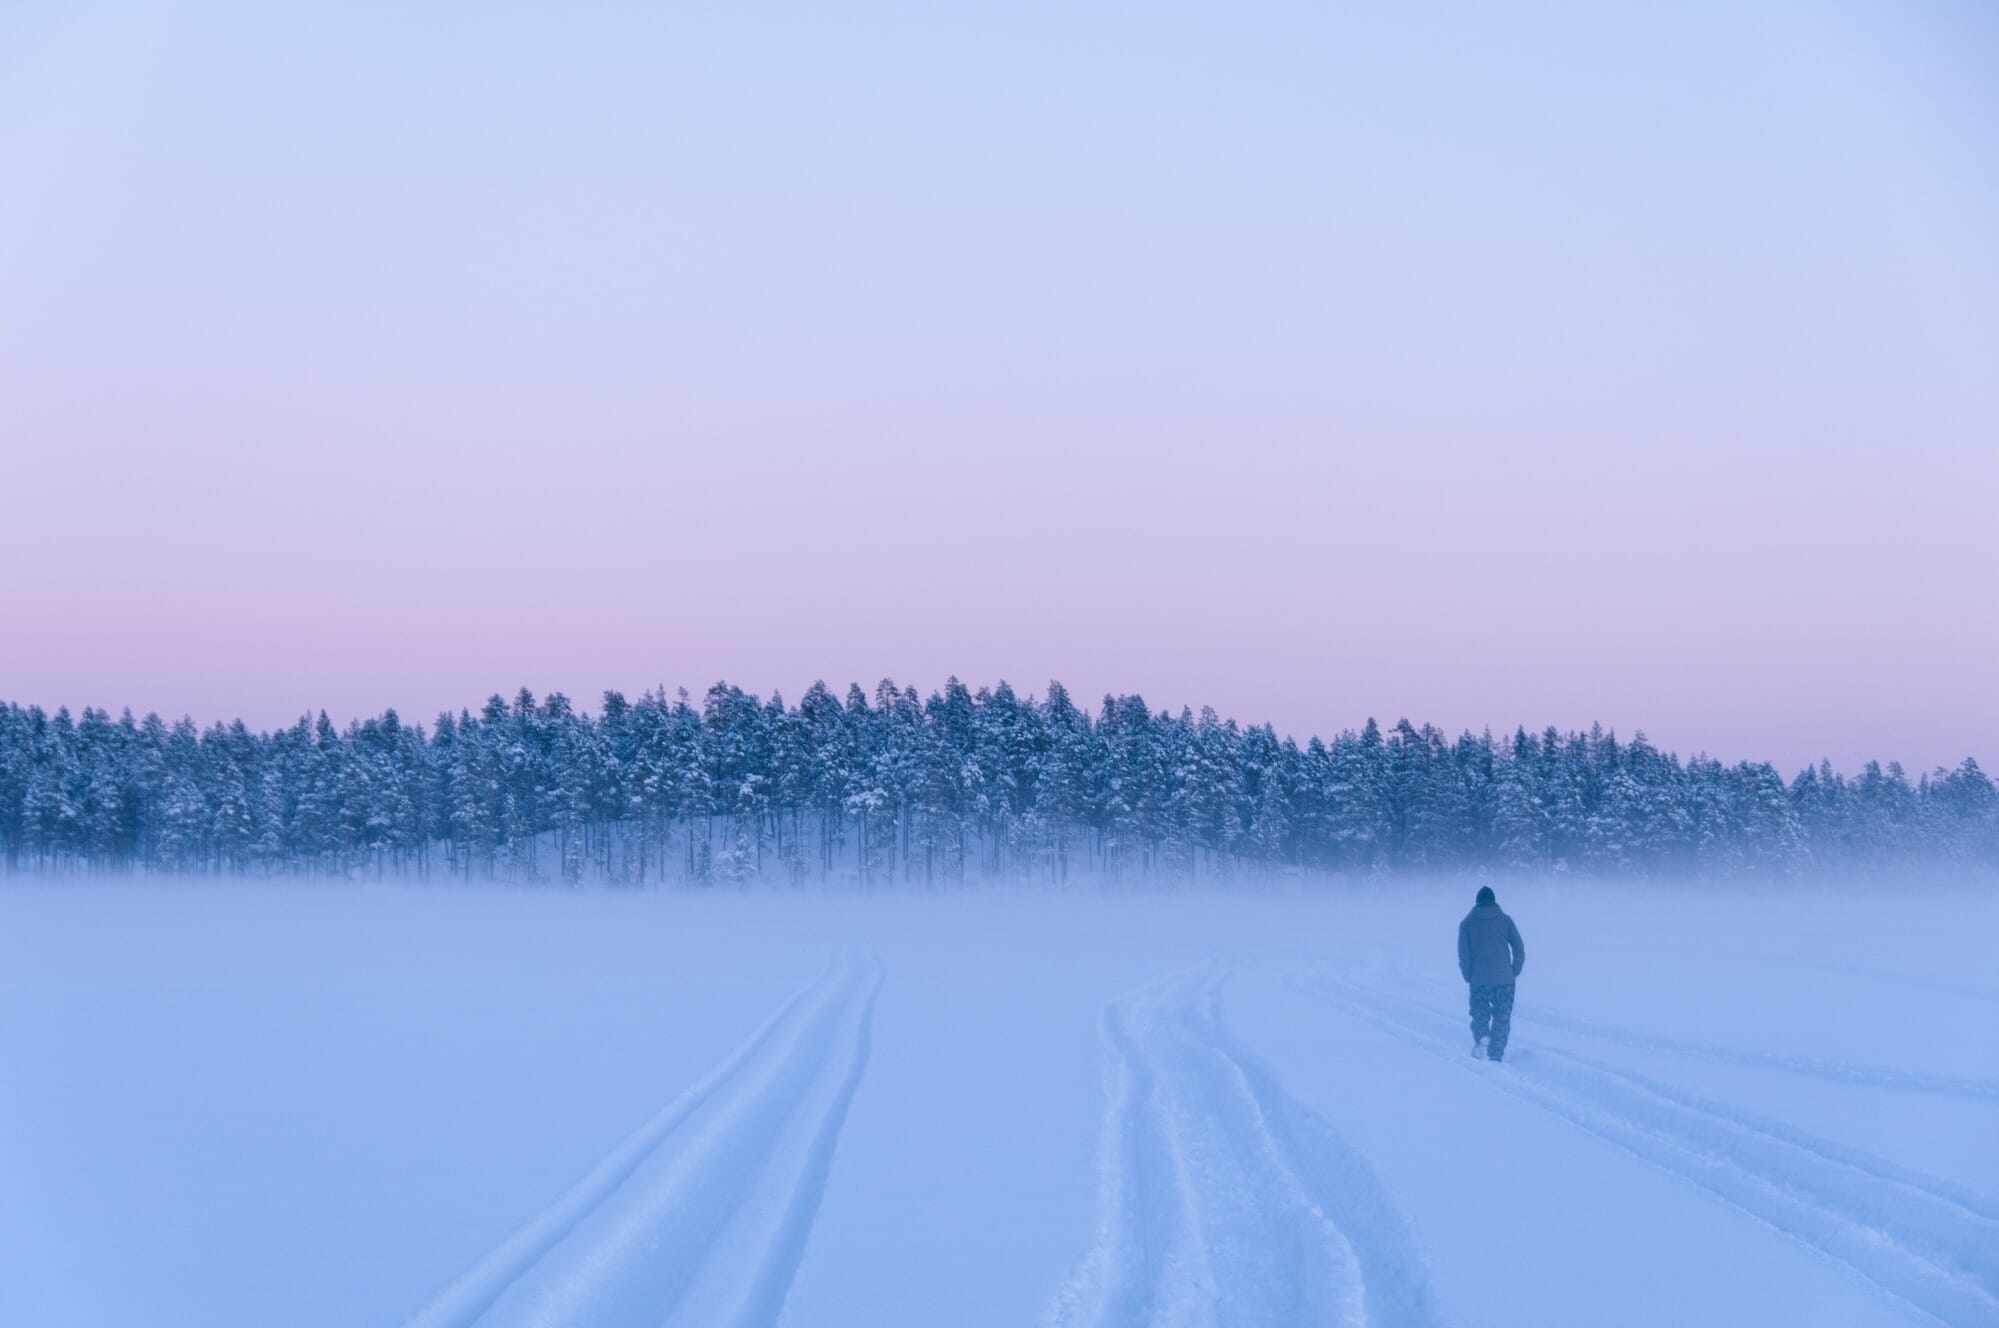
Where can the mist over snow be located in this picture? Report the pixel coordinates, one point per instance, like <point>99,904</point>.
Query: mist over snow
<point>359,1103</point>
<point>1542,449</point>
<point>899,787</point>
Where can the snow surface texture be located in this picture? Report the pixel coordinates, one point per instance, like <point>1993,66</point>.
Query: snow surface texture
<point>457,1107</point>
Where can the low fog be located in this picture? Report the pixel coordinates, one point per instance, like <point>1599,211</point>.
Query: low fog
<point>350,1102</point>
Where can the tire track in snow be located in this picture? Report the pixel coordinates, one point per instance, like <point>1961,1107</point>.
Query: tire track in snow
<point>1969,1202</point>
<point>1224,1200</point>
<point>1932,1246</point>
<point>1867,1076</point>
<point>1921,981</point>
<point>701,1216</point>
<point>1844,1072</point>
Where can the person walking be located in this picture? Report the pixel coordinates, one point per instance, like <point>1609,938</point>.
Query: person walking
<point>1490,957</point>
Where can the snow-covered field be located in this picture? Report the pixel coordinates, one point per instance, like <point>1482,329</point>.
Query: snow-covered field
<point>348,1105</point>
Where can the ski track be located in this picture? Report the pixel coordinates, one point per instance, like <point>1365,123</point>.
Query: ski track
<point>701,1217</point>
<point>1931,1245</point>
<point>1225,1201</point>
<point>1844,1072</point>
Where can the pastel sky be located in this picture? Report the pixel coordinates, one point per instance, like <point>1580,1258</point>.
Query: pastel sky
<point>1486,364</point>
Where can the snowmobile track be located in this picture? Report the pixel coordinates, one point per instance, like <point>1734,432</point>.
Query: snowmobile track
<point>1927,1244</point>
<point>1224,1200</point>
<point>701,1216</point>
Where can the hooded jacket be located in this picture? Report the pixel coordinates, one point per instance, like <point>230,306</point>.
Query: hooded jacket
<point>1490,952</point>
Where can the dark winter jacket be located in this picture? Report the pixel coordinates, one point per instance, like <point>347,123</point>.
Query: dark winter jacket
<point>1490,952</point>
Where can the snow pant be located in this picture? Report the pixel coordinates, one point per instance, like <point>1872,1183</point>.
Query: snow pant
<point>1492,1016</point>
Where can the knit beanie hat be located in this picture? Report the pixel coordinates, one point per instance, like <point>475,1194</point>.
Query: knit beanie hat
<point>1485,895</point>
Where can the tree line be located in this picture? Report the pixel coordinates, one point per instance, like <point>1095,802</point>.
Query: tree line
<point>898,787</point>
